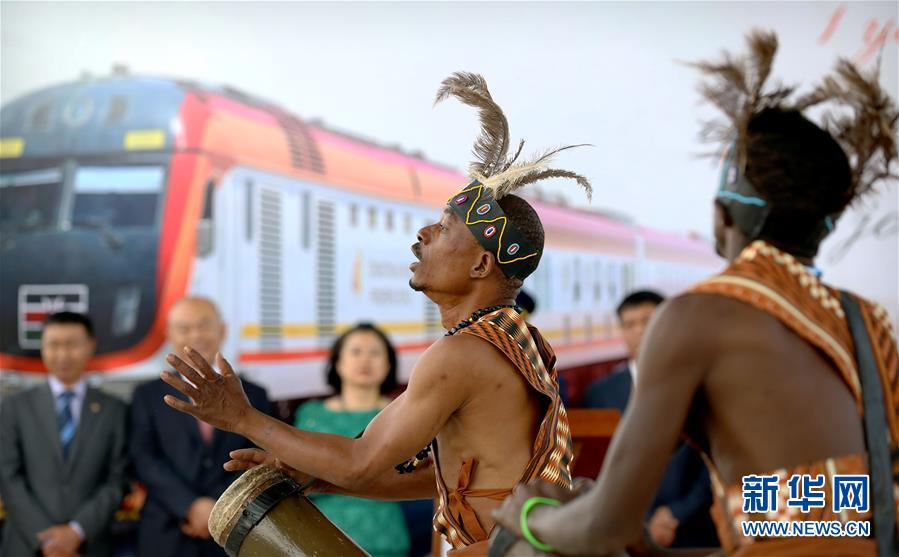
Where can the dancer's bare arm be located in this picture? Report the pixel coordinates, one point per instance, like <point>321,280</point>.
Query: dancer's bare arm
<point>436,390</point>
<point>389,486</point>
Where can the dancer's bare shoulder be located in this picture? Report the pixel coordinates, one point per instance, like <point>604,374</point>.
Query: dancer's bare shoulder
<point>459,362</point>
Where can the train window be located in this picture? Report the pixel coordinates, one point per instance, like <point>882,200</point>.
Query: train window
<point>118,109</point>
<point>613,290</point>
<point>117,196</point>
<point>208,198</point>
<point>576,290</point>
<point>30,200</point>
<point>626,278</point>
<point>306,217</point>
<point>205,228</point>
<point>372,217</point>
<point>389,221</point>
<point>249,209</point>
<point>354,215</point>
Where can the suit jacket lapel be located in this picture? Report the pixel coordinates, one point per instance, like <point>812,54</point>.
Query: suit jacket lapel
<point>47,419</point>
<point>91,411</point>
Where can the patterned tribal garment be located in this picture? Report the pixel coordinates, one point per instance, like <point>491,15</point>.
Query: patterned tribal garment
<point>775,282</point>
<point>507,330</point>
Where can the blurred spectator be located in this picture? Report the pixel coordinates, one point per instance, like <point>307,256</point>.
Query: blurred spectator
<point>63,453</point>
<point>634,313</point>
<point>526,302</point>
<point>679,515</point>
<point>361,369</point>
<point>178,458</point>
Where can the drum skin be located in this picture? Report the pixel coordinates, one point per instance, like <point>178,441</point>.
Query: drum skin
<point>263,514</point>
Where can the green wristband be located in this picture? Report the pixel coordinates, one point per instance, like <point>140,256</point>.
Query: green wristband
<point>523,523</point>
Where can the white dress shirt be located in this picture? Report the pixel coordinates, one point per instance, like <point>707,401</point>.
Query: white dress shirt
<point>80,389</point>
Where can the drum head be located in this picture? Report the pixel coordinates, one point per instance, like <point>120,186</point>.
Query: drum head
<point>246,489</point>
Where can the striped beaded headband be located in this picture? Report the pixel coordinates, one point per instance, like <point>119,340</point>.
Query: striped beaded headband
<point>483,216</point>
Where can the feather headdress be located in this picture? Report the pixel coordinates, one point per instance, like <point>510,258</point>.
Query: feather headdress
<point>492,166</point>
<point>864,122</point>
<point>862,117</point>
<point>736,89</point>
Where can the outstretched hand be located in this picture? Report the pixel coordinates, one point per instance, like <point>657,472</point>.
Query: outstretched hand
<point>244,459</point>
<point>217,399</point>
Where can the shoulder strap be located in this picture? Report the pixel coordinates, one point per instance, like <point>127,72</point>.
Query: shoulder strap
<point>876,433</point>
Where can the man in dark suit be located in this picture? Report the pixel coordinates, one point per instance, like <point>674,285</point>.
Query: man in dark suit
<point>679,515</point>
<point>178,458</point>
<point>63,453</point>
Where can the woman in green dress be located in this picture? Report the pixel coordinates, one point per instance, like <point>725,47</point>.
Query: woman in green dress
<point>361,369</point>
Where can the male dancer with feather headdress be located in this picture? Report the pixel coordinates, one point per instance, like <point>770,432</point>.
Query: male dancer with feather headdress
<point>758,365</point>
<point>483,399</point>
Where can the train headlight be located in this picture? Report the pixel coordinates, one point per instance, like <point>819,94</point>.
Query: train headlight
<point>125,310</point>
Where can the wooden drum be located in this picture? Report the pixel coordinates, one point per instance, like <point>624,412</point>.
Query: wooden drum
<point>263,514</point>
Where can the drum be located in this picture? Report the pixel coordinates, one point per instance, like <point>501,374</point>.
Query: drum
<point>263,514</point>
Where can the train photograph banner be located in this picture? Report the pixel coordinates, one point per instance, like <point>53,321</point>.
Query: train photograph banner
<point>123,191</point>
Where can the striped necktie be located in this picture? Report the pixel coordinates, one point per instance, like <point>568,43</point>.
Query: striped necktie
<point>66,421</point>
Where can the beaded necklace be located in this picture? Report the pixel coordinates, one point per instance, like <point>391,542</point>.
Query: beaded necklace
<point>477,315</point>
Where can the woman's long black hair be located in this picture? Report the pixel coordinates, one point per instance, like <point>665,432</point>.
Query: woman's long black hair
<point>389,384</point>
